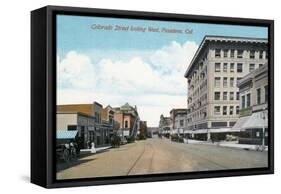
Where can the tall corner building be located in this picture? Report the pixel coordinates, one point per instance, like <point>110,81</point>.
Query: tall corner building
<point>212,75</point>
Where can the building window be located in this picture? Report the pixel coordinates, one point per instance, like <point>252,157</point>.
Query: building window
<point>218,124</point>
<point>224,110</point>
<point>237,110</point>
<point>238,79</point>
<point>252,54</point>
<point>239,67</point>
<point>126,124</point>
<point>260,65</point>
<point>237,95</point>
<point>240,54</point>
<point>257,134</point>
<point>265,94</point>
<point>232,53</point>
<point>231,95</point>
<point>217,67</point>
<point>217,82</point>
<point>225,53</point>
<point>258,96</point>
<point>217,53</point>
<point>72,127</point>
<point>231,67</point>
<point>224,95</point>
<point>225,82</point>
<point>181,123</point>
<point>231,110</point>
<point>225,67</point>
<point>261,55</point>
<point>251,67</point>
<point>201,65</point>
<point>217,110</point>
<point>248,100</point>
<point>231,82</point>
<point>217,95</point>
<point>243,102</point>
<point>97,117</point>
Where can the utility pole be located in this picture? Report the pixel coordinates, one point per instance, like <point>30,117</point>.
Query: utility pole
<point>263,129</point>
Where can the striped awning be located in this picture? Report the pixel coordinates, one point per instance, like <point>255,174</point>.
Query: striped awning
<point>66,134</point>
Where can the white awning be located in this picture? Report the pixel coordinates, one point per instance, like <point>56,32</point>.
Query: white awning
<point>176,131</point>
<point>212,130</point>
<point>198,131</point>
<point>240,123</point>
<point>256,120</point>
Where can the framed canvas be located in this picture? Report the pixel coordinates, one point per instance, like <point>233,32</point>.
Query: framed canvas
<point>126,96</point>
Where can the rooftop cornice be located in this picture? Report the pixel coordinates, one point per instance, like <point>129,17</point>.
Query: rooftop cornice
<point>233,39</point>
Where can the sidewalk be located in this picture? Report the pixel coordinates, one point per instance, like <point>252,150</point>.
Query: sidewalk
<point>99,149</point>
<point>233,144</point>
<point>192,141</point>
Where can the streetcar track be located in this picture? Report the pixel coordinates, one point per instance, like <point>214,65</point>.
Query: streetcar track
<point>206,159</point>
<point>140,157</point>
<point>136,161</point>
<point>201,158</point>
<point>152,157</point>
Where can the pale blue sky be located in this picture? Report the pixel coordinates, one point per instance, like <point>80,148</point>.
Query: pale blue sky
<point>75,33</point>
<point>142,68</point>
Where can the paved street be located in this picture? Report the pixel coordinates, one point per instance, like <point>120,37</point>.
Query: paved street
<point>160,156</point>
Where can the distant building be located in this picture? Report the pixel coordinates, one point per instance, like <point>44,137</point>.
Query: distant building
<point>108,115</point>
<point>108,119</point>
<point>143,129</point>
<point>128,119</point>
<point>179,121</point>
<point>87,119</point>
<point>253,89</point>
<point>152,131</point>
<point>213,97</point>
<point>165,126</point>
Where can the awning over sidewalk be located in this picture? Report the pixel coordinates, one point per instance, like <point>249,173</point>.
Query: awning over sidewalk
<point>256,120</point>
<point>212,130</point>
<point>240,123</point>
<point>66,134</point>
<point>176,131</point>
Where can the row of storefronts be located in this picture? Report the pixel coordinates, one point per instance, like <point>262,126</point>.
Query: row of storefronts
<point>97,124</point>
<point>93,123</point>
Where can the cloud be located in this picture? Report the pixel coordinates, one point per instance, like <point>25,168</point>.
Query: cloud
<point>152,82</point>
<point>136,77</point>
<point>174,57</point>
<point>76,71</point>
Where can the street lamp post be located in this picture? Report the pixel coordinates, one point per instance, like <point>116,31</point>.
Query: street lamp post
<point>263,129</point>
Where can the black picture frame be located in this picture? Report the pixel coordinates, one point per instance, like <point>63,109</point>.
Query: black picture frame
<point>43,95</point>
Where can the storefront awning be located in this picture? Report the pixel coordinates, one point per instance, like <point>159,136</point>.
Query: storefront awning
<point>211,130</point>
<point>66,134</point>
<point>240,123</point>
<point>256,120</point>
